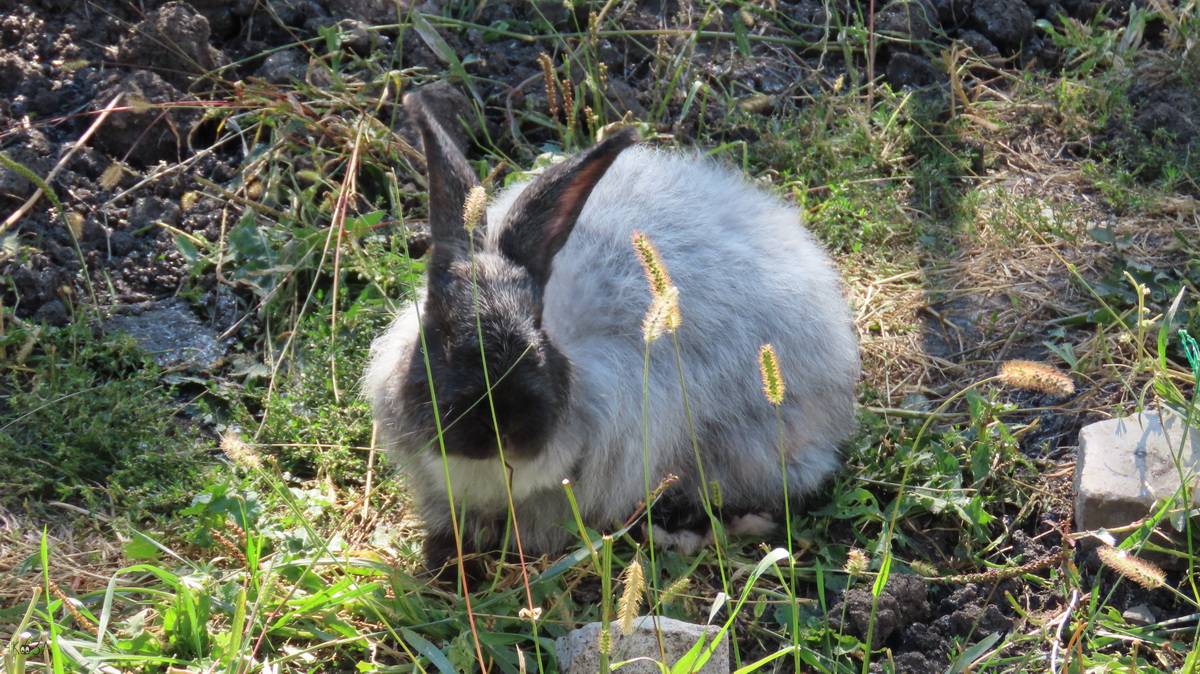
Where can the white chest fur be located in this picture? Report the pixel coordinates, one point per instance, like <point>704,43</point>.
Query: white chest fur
<point>482,483</point>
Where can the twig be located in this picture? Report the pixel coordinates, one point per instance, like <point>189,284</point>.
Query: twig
<point>87,135</point>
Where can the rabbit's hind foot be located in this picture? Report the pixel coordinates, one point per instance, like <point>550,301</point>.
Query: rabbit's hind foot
<point>691,536</point>
<point>684,541</point>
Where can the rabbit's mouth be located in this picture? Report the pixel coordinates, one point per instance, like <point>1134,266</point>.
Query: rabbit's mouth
<point>516,418</point>
<point>522,431</point>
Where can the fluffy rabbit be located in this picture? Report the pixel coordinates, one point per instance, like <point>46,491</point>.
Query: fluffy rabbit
<point>552,292</point>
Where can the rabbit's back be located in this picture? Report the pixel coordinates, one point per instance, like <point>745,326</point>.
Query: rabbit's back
<point>748,274</point>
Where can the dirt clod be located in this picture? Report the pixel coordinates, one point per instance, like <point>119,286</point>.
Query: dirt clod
<point>909,71</point>
<point>1005,22</point>
<point>901,602</point>
<point>143,134</point>
<point>33,153</point>
<point>174,42</point>
<point>909,21</point>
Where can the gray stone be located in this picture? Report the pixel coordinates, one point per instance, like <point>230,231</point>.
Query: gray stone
<point>1126,465</point>
<point>1139,615</point>
<point>579,651</point>
<point>170,332</point>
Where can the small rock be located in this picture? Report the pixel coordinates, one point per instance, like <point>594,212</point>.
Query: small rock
<point>357,37</point>
<point>92,235</point>
<point>173,40</point>
<point>625,97</point>
<point>555,13</point>
<point>808,18</point>
<point>979,44</point>
<point>579,651</point>
<point>149,211</point>
<point>371,11</point>
<point>36,286</point>
<point>1040,53</point>
<point>1126,465</point>
<point>60,254</point>
<point>284,67</point>
<point>142,135</point>
<point>914,662</point>
<point>1139,615</point>
<point>31,150</point>
<point>975,619</point>
<point>296,13</point>
<point>1169,118</point>
<point>224,310</point>
<point>225,17</point>
<point>121,243</point>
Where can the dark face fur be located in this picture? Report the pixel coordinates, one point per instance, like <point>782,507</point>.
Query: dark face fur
<point>484,304</point>
<point>529,377</point>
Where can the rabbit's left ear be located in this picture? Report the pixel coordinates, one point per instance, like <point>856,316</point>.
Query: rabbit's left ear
<point>538,224</point>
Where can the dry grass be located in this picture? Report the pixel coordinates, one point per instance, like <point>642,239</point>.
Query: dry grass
<point>84,554</point>
<point>934,331</point>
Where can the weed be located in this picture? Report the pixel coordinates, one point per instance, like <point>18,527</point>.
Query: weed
<point>314,425</point>
<point>87,419</point>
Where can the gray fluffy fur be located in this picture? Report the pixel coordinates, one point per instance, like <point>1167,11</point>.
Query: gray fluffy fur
<point>748,274</point>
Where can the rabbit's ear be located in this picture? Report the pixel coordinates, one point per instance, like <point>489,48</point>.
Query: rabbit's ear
<point>543,216</point>
<point>450,180</point>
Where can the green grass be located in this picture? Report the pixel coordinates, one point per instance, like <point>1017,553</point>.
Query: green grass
<point>294,550</point>
<point>88,419</point>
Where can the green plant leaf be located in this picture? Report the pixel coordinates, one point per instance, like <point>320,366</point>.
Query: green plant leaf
<point>435,656</point>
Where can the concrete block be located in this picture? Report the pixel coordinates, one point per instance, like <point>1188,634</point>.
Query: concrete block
<point>579,651</point>
<point>1126,465</point>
